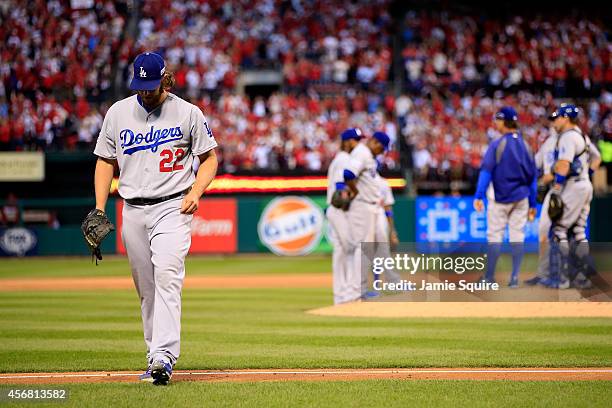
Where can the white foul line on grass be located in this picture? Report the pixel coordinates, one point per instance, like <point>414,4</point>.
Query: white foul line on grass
<point>353,372</point>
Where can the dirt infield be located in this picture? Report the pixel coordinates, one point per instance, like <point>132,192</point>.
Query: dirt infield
<point>191,282</point>
<point>514,374</point>
<point>467,309</point>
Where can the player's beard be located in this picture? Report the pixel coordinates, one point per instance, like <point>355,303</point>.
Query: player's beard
<point>152,99</point>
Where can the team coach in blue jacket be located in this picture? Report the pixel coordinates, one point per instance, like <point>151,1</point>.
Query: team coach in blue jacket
<point>508,163</point>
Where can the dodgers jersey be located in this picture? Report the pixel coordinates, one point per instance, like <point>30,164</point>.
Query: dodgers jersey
<point>155,150</point>
<point>363,165</point>
<point>335,172</point>
<point>571,145</point>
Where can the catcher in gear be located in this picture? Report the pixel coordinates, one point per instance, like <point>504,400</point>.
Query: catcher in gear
<point>96,227</point>
<point>570,201</point>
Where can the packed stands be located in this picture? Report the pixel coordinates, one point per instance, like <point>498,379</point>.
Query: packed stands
<point>61,69</point>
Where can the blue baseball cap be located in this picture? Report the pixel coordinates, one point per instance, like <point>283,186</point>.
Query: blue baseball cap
<point>149,68</point>
<point>566,110</point>
<point>507,113</point>
<point>351,133</point>
<point>382,138</point>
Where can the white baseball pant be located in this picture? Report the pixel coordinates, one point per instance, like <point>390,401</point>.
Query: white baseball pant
<point>381,236</point>
<point>342,260</point>
<point>362,219</point>
<point>543,231</point>
<point>512,214</point>
<point>157,239</point>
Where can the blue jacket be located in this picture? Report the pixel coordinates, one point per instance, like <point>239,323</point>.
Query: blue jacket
<point>510,164</point>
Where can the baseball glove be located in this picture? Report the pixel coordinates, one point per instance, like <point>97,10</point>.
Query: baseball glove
<point>96,227</point>
<point>542,191</point>
<point>341,199</point>
<point>555,207</point>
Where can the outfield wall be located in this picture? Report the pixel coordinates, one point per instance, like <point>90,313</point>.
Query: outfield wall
<point>287,225</point>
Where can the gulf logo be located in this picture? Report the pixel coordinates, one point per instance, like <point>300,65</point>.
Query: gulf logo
<point>291,226</point>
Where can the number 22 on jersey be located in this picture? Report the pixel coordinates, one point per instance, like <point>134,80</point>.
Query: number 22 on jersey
<point>170,160</point>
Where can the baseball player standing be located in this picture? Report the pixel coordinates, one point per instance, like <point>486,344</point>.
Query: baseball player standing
<point>385,235</point>
<point>545,161</point>
<point>570,199</point>
<point>153,137</point>
<point>360,178</point>
<point>339,228</point>
<point>510,165</point>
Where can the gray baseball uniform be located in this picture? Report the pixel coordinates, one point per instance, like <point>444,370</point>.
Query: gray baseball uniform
<point>578,190</point>
<point>339,232</point>
<point>545,160</point>
<point>363,210</point>
<point>155,152</point>
<point>381,235</point>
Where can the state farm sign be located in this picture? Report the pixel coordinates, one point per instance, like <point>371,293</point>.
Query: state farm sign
<point>214,226</point>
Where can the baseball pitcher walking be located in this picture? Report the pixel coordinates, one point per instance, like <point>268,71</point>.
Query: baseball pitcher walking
<point>153,137</point>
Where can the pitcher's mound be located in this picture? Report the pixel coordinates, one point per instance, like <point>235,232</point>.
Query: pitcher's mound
<point>468,309</point>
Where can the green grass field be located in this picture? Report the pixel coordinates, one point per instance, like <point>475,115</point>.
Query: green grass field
<point>372,393</point>
<point>267,328</point>
<point>195,265</point>
<point>263,264</point>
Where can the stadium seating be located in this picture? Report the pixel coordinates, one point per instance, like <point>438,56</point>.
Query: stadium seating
<point>59,68</point>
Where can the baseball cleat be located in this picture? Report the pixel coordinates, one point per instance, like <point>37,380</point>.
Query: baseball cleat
<point>564,284</point>
<point>370,295</point>
<point>161,372</point>
<point>146,376</point>
<point>514,283</point>
<point>556,283</point>
<point>533,281</point>
<point>582,283</point>
<point>484,279</point>
<point>549,283</point>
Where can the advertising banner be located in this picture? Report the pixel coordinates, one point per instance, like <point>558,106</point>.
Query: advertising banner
<point>22,166</point>
<point>452,219</point>
<point>213,229</point>
<point>291,225</point>
<point>18,241</point>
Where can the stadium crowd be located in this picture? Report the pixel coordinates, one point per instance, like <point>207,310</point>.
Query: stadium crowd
<point>449,135</point>
<point>317,41</point>
<point>465,52</point>
<point>58,67</point>
<point>294,132</point>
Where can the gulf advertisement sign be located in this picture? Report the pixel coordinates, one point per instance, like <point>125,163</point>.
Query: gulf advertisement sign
<point>291,226</point>
<point>213,228</point>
